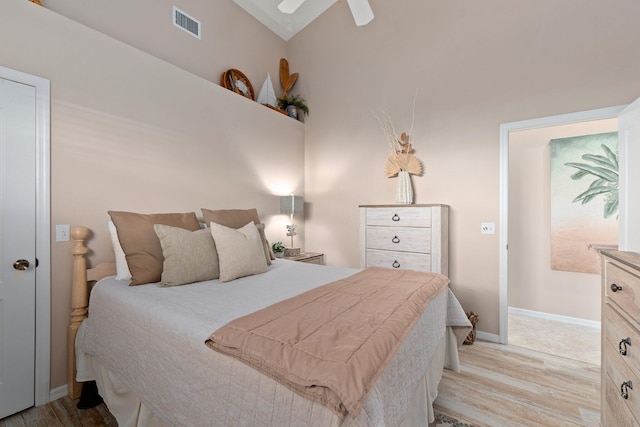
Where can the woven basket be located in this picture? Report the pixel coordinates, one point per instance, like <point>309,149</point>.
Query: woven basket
<point>473,318</point>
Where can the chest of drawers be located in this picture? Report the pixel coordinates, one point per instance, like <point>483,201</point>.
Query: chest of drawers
<point>412,237</point>
<point>620,386</point>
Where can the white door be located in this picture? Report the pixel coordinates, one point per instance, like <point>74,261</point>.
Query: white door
<point>629,183</point>
<point>17,246</point>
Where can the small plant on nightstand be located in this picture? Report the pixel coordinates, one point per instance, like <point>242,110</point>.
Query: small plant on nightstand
<point>278,249</point>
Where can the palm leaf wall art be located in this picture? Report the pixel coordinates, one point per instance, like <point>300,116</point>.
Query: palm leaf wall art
<point>583,199</point>
<point>604,171</point>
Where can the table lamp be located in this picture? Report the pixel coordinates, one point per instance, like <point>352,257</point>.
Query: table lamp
<point>291,205</point>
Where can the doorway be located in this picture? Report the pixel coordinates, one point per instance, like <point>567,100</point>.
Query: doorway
<point>506,131</point>
<point>37,89</point>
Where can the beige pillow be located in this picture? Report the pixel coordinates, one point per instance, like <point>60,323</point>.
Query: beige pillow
<point>232,218</point>
<point>140,242</point>
<point>122,269</point>
<point>240,251</point>
<point>236,218</point>
<point>189,256</point>
<point>265,243</point>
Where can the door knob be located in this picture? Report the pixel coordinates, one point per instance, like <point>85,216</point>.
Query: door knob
<point>21,264</point>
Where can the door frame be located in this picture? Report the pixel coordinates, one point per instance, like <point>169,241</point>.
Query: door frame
<point>505,130</point>
<point>629,131</point>
<point>43,231</point>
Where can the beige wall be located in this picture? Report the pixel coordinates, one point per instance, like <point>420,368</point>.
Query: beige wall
<point>474,65</point>
<point>231,38</point>
<point>533,285</point>
<point>132,132</point>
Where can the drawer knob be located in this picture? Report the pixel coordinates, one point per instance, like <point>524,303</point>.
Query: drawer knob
<point>624,389</point>
<point>395,239</point>
<point>395,218</point>
<point>622,346</point>
<point>396,264</point>
<point>615,288</point>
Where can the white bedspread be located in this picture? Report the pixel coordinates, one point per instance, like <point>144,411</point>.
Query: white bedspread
<point>152,339</point>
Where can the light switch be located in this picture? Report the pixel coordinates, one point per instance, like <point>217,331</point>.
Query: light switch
<point>63,232</point>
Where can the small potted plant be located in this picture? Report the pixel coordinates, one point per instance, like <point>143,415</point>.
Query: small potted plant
<point>292,104</point>
<point>278,249</point>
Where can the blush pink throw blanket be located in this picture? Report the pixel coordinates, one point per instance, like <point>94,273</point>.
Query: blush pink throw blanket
<point>330,344</point>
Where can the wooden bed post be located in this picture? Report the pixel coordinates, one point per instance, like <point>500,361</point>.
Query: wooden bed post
<point>79,304</point>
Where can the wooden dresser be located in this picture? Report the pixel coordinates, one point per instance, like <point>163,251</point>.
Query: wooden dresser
<point>411,237</point>
<point>620,405</point>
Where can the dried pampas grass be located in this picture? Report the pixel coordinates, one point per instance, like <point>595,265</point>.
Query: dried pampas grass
<point>401,157</point>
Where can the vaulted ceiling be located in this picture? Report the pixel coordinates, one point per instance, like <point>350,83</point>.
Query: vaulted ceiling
<point>284,25</point>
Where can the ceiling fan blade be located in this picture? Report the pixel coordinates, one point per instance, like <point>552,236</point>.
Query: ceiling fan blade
<point>289,6</point>
<point>361,11</point>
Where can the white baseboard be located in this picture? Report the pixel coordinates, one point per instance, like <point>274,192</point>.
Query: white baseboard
<point>555,317</point>
<point>57,393</point>
<point>486,336</point>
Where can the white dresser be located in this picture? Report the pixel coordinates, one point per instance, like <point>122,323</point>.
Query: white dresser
<point>620,386</point>
<point>410,237</point>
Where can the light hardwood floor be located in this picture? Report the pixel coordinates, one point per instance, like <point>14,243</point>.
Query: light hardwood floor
<point>506,385</point>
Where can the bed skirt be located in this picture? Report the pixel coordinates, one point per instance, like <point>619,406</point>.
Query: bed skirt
<point>130,411</point>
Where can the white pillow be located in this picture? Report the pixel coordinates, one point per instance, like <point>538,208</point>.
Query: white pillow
<point>240,251</point>
<point>122,268</point>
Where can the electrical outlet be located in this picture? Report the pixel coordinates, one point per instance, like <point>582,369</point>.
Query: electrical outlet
<point>63,231</point>
<point>488,228</point>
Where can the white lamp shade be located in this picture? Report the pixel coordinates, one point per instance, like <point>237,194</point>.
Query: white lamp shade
<point>291,205</point>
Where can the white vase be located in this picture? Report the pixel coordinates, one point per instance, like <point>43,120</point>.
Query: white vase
<point>405,191</point>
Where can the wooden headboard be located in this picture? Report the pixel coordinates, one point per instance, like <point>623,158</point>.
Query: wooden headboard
<point>82,279</point>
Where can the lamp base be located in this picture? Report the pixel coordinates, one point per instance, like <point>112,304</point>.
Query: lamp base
<point>289,252</point>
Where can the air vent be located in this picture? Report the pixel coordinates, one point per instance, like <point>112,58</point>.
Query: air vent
<point>186,22</point>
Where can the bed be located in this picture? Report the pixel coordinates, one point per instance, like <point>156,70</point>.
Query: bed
<point>145,348</point>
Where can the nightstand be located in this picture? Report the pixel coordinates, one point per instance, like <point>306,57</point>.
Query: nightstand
<point>310,257</point>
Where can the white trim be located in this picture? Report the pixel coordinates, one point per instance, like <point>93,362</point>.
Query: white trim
<point>58,392</point>
<point>43,232</point>
<point>629,173</point>
<point>505,129</point>
<point>486,336</point>
<point>555,317</point>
